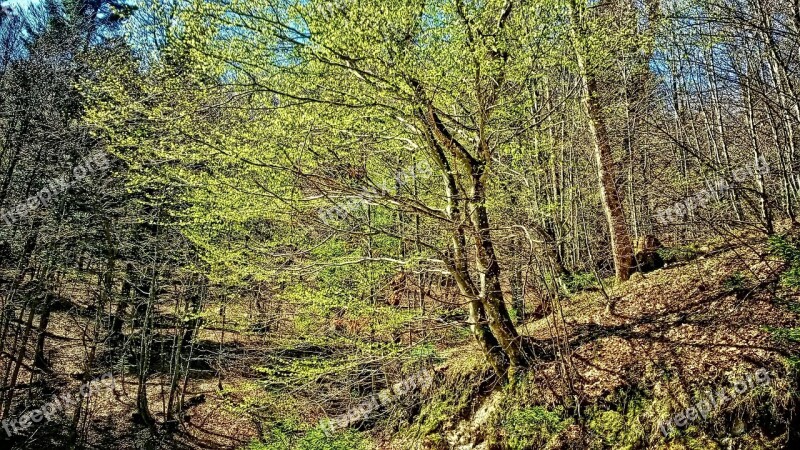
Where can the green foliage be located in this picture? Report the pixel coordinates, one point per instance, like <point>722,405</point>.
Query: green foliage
<point>793,363</point>
<point>786,247</point>
<point>672,255</point>
<point>331,313</point>
<point>290,436</point>
<point>785,334</point>
<point>534,427</point>
<point>581,281</point>
<point>734,282</point>
<point>620,427</point>
<point>423,351</point>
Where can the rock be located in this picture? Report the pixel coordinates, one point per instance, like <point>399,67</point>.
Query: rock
<point>647,258</point>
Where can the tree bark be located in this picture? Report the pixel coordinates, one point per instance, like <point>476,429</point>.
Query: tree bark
<point>480,320</point>
<point>490,293</point>
<point>621,246</point>
<point>39,359</point>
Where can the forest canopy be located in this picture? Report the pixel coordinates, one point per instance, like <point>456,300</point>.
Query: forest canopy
<point>399,223</point>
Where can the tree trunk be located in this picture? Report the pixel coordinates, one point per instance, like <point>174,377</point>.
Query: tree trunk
<point>118,321</point>
<point>518,294</point>
<point>18,361</point>
<point>491,293</point>
<point>457,261</point>
<point>39,359</point>
<point>621,246</point>
<point>763,204</point>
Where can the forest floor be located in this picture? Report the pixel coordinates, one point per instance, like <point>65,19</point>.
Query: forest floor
<point>629,358</point>
<point>635,355</point>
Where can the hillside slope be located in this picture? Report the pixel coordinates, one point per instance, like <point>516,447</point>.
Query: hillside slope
<point>614,369</point>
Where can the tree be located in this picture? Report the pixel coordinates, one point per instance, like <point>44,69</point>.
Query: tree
<point>400,89</point>
<point>621,245</point>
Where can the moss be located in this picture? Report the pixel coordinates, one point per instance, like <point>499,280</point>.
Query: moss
<point>443,411</point>
<point>608,425</point>
<point>534,427</point>
<point>700,443</point>
<point>445,406</point>
<point>290,435</point>
<point>622,427</point>
<point>627,419</point>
